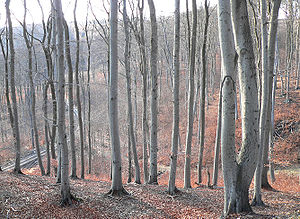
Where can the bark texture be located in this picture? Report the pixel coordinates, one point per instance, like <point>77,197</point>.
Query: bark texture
<point>176,82</point>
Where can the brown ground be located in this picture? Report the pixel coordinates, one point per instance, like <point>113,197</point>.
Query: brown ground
<point>29,196</point>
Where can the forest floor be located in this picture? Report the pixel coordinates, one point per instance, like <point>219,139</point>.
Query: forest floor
<point>34,196</point>
<point>31,196</point>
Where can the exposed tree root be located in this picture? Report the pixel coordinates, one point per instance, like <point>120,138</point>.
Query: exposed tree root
<point>74,177</point>
<point>267,186</point>
<point>68,201</point>
<point>18,172</point>
<point>137,182</point>
<point>172,193</point>
<point>119,192</point>
<point>257,203</point>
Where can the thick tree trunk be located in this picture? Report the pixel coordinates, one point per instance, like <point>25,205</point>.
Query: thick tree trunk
<point>246,160</point>
<point>154,87</point>
<point>187,164</point>
<point>176,82</point>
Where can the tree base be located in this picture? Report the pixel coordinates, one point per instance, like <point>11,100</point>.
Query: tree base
<point>68,201</point>
<point>138,182</point>
<point>267,186</point>
<point>18,172</point>
<point>74,177</point>
<point>256,202</point>
<point>119,192</point>
<point>176,191</point>
<point>150,182</point>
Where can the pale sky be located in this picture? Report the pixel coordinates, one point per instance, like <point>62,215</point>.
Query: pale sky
<point>163,7</point>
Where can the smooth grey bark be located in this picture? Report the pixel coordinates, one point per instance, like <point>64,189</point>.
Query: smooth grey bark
<point>176,83</point>
<point>16,131</point>
<point>271,72</point>
<point>154,96</point>
<point>29,45</point>
<point>145,96</point>
<point>71,101</point>
<point>80,120</point>
<point>257,199</point>
<point>116,186</point>
<point>46,127</point>
<point>228,155</point>
<point>217,142</point>
<point>89,43</point>
<point>129,158</point>
<point>66,198</point>
<point>289,48</point>
<point>187,163</point>
<point>238,201</point>
<point>202,94</point>
<point>129,101</point>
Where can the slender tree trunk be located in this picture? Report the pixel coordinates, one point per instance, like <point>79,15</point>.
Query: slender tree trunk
<point>80,120</point>
<point>71,101</point>
<point>176,84</point>
<point>129,102</point>
<point>187,164</point>
<point>116,186</point>
<point>88,42</point>
<point>202,95</point>
<point>217,141</point>
<point>62,137</point>
<point>154,84</point>
<point>257,200</point>
<point>129,157</point>
<point>16,131</point>
<point>46,127</point>
<point>271,72</point>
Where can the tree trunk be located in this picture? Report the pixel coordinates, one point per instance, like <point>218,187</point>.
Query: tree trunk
<point>246,160</point>
<point>187,164</point>
<point>129,102</point>
<point>272,65</point>
<point>154,84</point>
<point>217,141</point>
<point>16,131</point>
<point>71,101</point>
<point>88,42</point>
<point>176,82</point>
<point>129,157</point>
<point>237,170</point>
<point>202,95</point>
<point>116,186</point>
<point>46,127</point>
<point>80,122</point>
<point>257,200</point>
<point>62,137</point>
